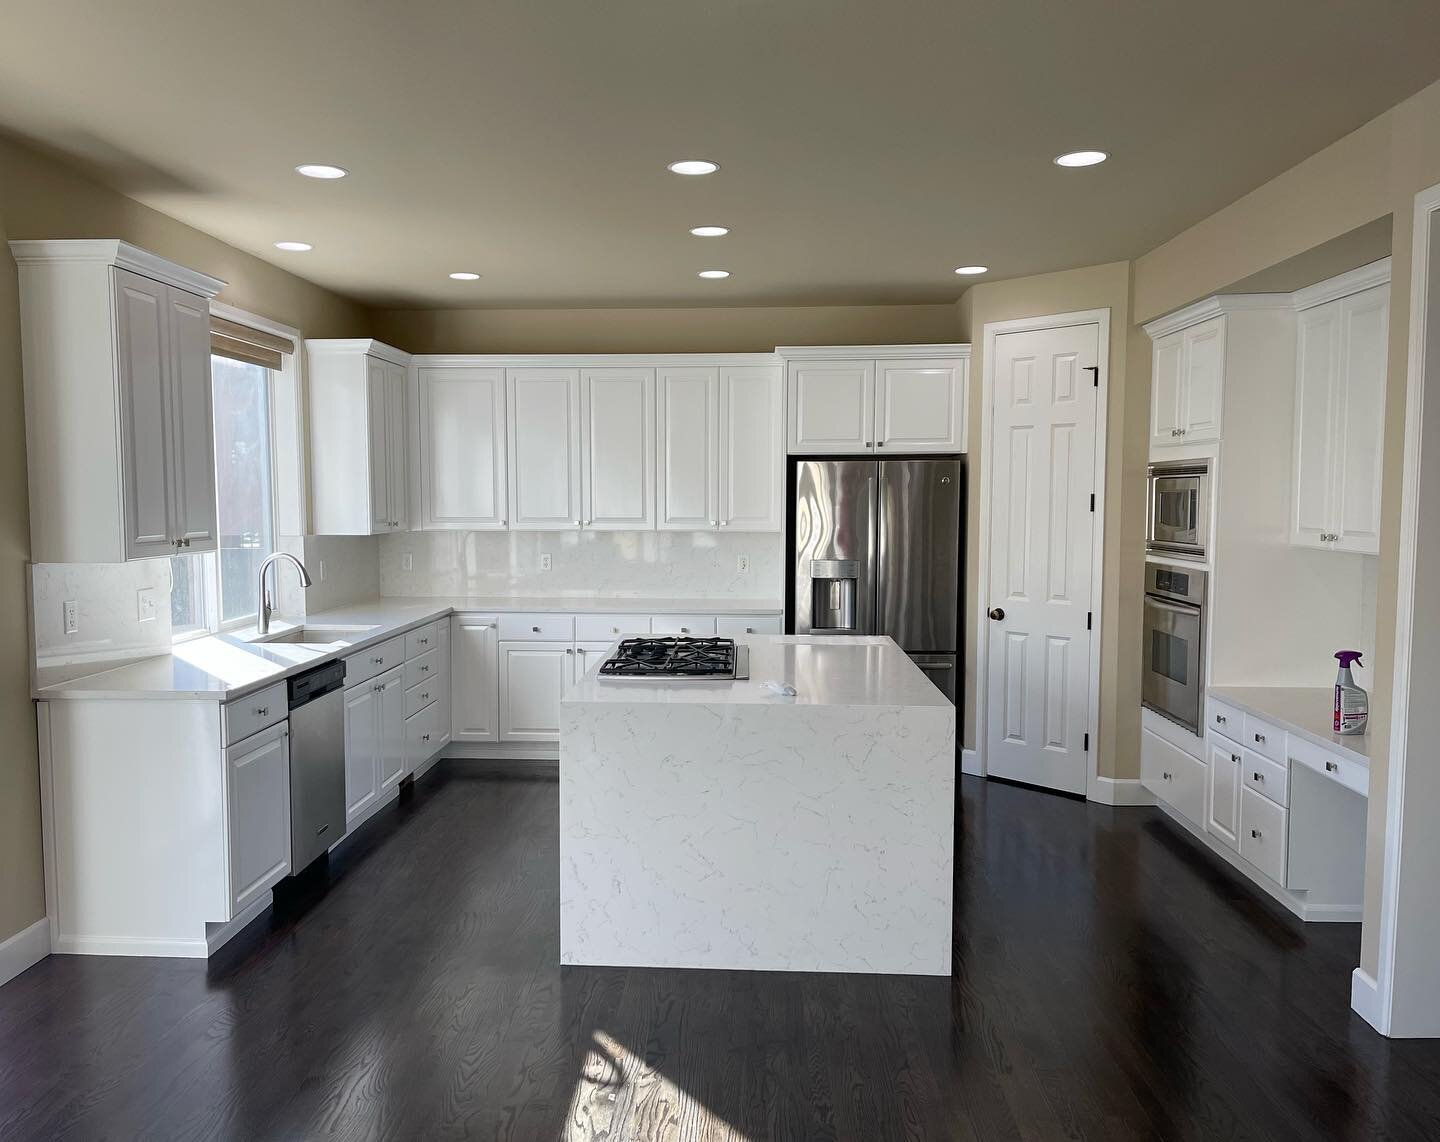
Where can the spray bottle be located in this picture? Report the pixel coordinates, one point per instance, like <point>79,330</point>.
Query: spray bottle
<point>1352,704</point>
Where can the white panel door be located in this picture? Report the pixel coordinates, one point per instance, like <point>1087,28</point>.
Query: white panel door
<point>1041,534</point>
<point>462,448</point>
<point>543,414</point>
<point>258,813</point>
<point>1316,381</point>
<point>617,449</point>
<point>1360,420</point>
<point>362,749</point>
<point>1204,381</point>
<point>920,405</point>
<point>1166,362</point>
<point>533,677</point>
<point>394,755</point>
<point>145,415</point>
<point>377,399</point>
<point>192,407</point>
<point>751,453</point>
<point>688,412</point>
<point>474,679</point>
<point>588,654</point>
<point>1222,795</point>
<point>832,406</point>
<point>396,470</point>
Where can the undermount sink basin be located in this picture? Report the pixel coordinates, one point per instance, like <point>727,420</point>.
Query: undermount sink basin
<point>321,636</point>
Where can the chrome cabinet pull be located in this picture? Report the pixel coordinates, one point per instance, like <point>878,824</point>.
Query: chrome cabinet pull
<point>1255,833</point>
<point>536,630</point>
<point>1332,767</point>
<point>1235,757</point>
<point>1166,776</point>
<point>1260,738</point>
<point>1258,776</point>
<point>1219,719</point>
<point>262,711</point>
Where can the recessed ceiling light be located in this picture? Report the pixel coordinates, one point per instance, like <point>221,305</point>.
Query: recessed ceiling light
<point>694,166</point>
<point>714,273</point>
<point>296,247</point>
<point>710,231</point>
<point>967,270</point>
<point>321,170</point>
<point>1080,158</point>
<point>465,276</point>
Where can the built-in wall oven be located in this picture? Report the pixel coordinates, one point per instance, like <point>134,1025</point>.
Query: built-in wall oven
<point>1179,508</point>
<point>1173,654</point>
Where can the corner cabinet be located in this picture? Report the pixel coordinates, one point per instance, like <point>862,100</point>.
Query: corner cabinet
<point>358,437</point>
<point>120,434</point>
<point>1187,382</point>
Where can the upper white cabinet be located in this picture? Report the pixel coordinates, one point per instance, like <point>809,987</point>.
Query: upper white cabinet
<point>897,398</point>
<point>544,448</point>
<point>1340,418</point>
<point>461,472</point>
<point>617,449</point>
<point>750,450</point>
<point>358,438</point>
<point>120,435</point>
<point>1187,383</point>
<point>688,398</point>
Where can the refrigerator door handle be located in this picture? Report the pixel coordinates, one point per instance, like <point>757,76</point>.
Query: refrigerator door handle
<point>877,550</point>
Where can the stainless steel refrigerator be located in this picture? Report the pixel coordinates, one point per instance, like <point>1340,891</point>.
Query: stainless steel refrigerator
<point>875,548</point>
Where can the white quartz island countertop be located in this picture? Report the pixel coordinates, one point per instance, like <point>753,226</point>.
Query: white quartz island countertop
<point>722,825</point>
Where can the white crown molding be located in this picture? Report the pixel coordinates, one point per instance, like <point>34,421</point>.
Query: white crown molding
<point>1366,277</point>
<point>849,352</point>
<point>350,346</point>
<point>114,252</point>
<point>588,360</point>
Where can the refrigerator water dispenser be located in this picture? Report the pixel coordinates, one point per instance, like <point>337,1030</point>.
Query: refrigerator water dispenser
<point>832,594</point>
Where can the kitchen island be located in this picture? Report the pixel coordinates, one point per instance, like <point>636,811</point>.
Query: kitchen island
<point>718,824</point>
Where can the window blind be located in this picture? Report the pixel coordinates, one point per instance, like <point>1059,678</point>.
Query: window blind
<point>242,343</point>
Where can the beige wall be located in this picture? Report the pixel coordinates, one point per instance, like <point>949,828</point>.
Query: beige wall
<point>754,329</point>
<point>40,199</point>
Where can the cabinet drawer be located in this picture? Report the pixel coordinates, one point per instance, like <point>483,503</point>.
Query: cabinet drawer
<point>1173,776</point>
<point>1223,718</point>
<point>737,626</point>
<point>378,659</point>
<point>422,640</point>
<point>426,668</point>
<point>1262,834</point>
<point>258,711</point>
<point>418,697</point>
<point>693,626</point>
<point>607,628</point>
<point>1264,738</point>
<point>1348,773</point>
<point>1270,778</point>
<point>537,628</point>
<point>422,734</point>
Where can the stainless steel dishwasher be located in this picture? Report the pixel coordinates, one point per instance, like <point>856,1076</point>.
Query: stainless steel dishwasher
<point>317,762</point>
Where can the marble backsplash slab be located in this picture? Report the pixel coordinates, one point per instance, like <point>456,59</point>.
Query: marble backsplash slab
<point>109,631</point>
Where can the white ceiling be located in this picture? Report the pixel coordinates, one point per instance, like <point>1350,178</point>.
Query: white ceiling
<point>867,147</point>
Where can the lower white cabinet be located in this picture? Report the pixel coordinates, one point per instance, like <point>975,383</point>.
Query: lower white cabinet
<point>1173,776</point>
<point>1222,794</point>
<point>375,750</point>
<point>257,777</point>
<point>587,654</point>
<point>474,679</point>
<point>1262,834</point>
<point>533,676</point>
<point>738,626</point>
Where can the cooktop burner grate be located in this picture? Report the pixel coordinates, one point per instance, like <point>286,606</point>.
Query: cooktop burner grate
<point>672,658</point>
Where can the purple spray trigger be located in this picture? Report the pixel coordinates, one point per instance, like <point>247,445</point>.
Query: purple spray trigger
<point>1346,657</point>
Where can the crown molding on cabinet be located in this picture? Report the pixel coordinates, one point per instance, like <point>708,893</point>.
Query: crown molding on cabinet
<point>887,352</point>
<point>586,360</point>
<point>1366,277</point>
<point>114,252</point>
<point>342,346</point>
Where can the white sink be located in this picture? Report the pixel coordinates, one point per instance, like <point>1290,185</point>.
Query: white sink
<point>320,635</point>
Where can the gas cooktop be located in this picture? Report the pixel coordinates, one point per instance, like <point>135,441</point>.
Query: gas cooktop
<point>677,658</point>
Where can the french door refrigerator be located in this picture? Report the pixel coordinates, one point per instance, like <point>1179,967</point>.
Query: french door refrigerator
<point>875,548</point>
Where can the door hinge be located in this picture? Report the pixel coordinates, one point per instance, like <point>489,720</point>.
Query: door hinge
<point>1089,618</point>
<point>1087,743</point>
<point>1094,371</point>
<point>1092,501</point>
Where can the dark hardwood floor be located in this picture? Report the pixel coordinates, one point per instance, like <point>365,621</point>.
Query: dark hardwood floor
<point>1111,982</point>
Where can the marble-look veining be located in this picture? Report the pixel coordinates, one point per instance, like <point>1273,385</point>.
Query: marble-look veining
<point>1305,710</point>
<point>737,829</point>
<point>110,631</point>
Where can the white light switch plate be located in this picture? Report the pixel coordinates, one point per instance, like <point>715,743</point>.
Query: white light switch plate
<point>146,597</point>
<point>407,561</point>
<point>545,561</point>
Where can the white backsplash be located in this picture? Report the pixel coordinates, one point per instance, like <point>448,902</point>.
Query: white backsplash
<point>109,632</point>
<point>633,564</point>
<point>351,569</point>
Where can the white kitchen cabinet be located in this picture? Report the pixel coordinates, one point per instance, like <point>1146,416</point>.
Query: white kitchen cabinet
<point>375,748</point>
<point>1173,776</point>
<point>1222,794</point>
<point>358,438</point>
<point>120,435</point>
<point>1340,422</point>
<point>588,654</point>
<point>919,405</point>
<point>688,412</point>
<point>444,707</point>
<point>394,754</point>
<point>543,442</point>
<point>257,774</point>
<point>533,677</point>
<point>1187,384</point>
<point>460,444</point>
<point>474,679</point>
<point>738,626</point>
<point>617,449</point>
<point>832,406</point>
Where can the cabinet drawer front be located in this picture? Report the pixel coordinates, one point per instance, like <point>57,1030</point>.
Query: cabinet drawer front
<point>367,664</point>
<point>418,697</point>
<point>693,626</point>
<point>1223,718</point>
<point>422,640</point>
<point>1269,778</point>
<point>422,733</point>
<point>607,628</point>
<point>1264,738</point>
<point>1262,834</point>
<point>426,668</point>
<point>537,628</point>
<point>737,626</point>
<point>250,715</point>
<point>1348,773</point>
<point>1173,776</point>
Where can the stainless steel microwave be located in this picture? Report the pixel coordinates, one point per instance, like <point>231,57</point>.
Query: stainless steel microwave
<point>1179,508</point>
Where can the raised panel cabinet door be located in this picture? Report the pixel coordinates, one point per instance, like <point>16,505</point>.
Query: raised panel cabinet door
<point>1222,795</point>
<point>1204,382</point>
<point>689,464</point>
<point>832,406</point>
<point>362,749</point>
<point>145,415</point>
<point>396,482</point>
<point>193,417</point>
<point>257,772</point>
<point>533,677</point>
<point>588,654</point>
<point>474,679</point>
<point>462,448</point>
<point>1360,420</point>
<point>1316,380</point>
<point>543,411</point>
<point>751,450</point>
<point>617,449</point>
<point>920,405</point>
<point>1166,361</point>
<point>377,408</point>
<point>394,754</point>
<point>443,704</point>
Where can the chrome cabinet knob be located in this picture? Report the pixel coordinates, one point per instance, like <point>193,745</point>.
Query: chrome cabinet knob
<point>1332,767</point>
<point>1255,833</point>
<point>262,711</point>
<point>1258,776</point>
<point>1260,738</point>
<point>998,614</point>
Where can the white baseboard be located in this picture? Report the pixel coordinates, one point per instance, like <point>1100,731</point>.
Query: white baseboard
<point>1365,998</point>
<point>519,751</point>
<point>196,949</point>
<point>970,763</point>
<point>1120,791</point>
<point>217,935</point>
<point>24,949</point>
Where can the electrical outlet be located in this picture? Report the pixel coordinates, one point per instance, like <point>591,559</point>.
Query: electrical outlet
<point>742,564</point>
<point>72,616</point>
<point>146,597</point>
<point>545,561</point>
<point>320,571</point>
<point>407,561</point>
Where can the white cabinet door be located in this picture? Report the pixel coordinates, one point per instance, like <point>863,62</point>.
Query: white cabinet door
<point>394,761</point>
<point>362,749</point>
<point>920,405</point>
<point>192,416</point>
<point>543,412</point>
<point>588,654</point>
<point>1316,381</point>
<point>750,449</point>
<point>1222,795</point>
<point>145,415</point>
<point>474,679</point>
<point>688,400</point>
<point>257,774</point>
<point>1166,362</point>
<point>377,396</point>
<point>533,676</point>
<point>738,626</point>
<point>462,448</point>
<point>1203,385</point>
<point>443,704</point>
<point>617,449</point>
<point>397,488</point>
<point>832,406</point>
<point>1360,420</point>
